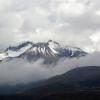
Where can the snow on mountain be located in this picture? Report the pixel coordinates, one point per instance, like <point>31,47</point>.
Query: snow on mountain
<point>50,51</point>
<point>17,53</point>
<point>3,56</point>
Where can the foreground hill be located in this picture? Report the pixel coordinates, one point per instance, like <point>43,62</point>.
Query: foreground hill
<point>78,79</point>
<point>77,82</point>
<point>82,83</point>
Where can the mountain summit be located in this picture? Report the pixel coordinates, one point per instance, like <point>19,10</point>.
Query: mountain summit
<point>50,51</point>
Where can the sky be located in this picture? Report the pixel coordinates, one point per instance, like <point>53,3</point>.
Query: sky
<point>70,22</point>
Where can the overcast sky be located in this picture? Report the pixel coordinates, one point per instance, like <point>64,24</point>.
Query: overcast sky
<point>71,22</point>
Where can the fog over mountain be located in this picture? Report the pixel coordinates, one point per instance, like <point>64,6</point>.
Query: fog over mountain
<point>19,71</point>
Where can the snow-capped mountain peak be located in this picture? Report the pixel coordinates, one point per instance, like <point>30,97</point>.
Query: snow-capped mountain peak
<point>53,46</point>
<point>49,51</point>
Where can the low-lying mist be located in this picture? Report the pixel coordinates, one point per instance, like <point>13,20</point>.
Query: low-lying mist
<point>18,71</point>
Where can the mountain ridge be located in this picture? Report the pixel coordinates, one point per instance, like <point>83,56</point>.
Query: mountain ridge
<point>75,80</point>
<point>50,51</point>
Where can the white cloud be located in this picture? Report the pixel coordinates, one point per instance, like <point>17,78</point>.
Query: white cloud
<point>97,12</point>
<point>67,21</point>
<point>10,22</point>
<point>4,5</point>
<point>95,38</point>
<point>72,8</point>
<point>18,71</point>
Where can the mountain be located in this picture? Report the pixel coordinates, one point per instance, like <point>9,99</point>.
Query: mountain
<point>50,51</point>
<point>82,83</point>
<point>77,80</point>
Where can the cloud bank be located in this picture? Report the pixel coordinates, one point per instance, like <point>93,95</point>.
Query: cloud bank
<point>21,72</point>
<point>73,22</point>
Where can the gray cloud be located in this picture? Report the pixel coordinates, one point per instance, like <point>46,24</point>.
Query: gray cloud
<point>72,22</point>
<point>19,71</point>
